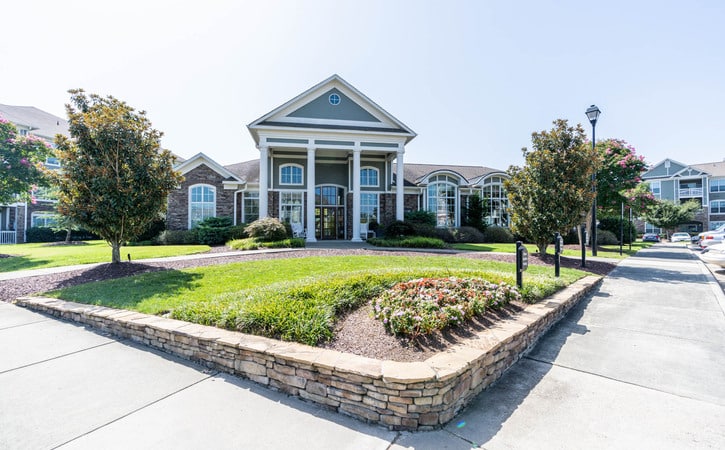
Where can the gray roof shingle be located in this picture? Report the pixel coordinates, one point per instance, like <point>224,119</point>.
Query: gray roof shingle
<point>42,124</point>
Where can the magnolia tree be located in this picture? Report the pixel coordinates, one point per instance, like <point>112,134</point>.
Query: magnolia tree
<point>115,177</point>
<point>553,190</point>
<point>667,215</point>
<point>21,163</point>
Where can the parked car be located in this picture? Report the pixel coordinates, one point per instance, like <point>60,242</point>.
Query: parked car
<point>710,238</point>
<point>701,237</point>
<point>650,237</point>
<point>714,254</point>
<point>680,237</point>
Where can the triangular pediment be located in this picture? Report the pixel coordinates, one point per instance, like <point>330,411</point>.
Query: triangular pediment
<point>332,104</point>
<point>664,169</point>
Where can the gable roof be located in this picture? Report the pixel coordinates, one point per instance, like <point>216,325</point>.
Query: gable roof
<point>39,122</point>
<point>315,109</point>
<point>199,159</point>
<point>667,168</point>
<point>248,170</point>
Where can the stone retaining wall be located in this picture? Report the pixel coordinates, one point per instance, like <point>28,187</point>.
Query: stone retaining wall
<point>400,395</point>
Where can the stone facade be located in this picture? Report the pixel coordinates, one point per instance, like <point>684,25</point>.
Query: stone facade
<point>177,216</point>
<point>399,395</point>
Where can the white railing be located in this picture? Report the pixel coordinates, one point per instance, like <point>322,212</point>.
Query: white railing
<point>7,237</point>
<point>692,192</point>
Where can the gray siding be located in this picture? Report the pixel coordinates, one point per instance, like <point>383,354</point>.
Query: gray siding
<point>668,190</point>
<point>320,108</point>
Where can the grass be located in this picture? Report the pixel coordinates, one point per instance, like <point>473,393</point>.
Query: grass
<point>292,298</point>
<point>606,251</point>
<point>42,255</point>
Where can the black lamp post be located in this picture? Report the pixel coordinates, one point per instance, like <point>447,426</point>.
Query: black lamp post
<point>593,114</point>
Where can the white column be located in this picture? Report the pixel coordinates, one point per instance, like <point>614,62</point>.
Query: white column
<point>399,186</point>
<point>263,181</point>
<point>356,194</point>
<point>310,204</point>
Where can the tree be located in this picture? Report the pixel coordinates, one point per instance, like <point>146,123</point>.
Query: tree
<point>640,199</point>
<point>667,215</point>
<point>115,177</point>
<point>620,170</point>
<point>553,190</point>
<point>21,163</point>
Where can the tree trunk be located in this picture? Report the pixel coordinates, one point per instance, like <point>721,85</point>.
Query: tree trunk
<point>116,252</point>
<point>67,236</point>
<point>542,247</point>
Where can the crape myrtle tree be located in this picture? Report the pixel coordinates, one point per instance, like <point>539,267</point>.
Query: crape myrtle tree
<point>115,177</point>
<point>553,190</point>
<point>21,163</point>
<point>620,171</point>
<point>667,215</point>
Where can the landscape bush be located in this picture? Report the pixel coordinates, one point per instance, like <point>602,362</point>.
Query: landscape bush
<point>267,229</point>
<point>46,234</point>
<point>606,237</point>
<point>398,229</point>
<point>421,217</point>
<point>254,244</point>
<point>154,229</point>
<point>612,224</point>
<point>425,305</point>
<point>177,237</point>
<point>408,242</point>
<point>498,235</point>
<point>214,230</point>
<point>467,235</point>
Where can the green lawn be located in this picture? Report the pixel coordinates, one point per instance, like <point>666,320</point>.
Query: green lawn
<point>606,251</point>
<point>312,290</point>
<point>42,255</point>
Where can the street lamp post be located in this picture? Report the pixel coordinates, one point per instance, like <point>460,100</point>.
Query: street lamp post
<point>593,114</point>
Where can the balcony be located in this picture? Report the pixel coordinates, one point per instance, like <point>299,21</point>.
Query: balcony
<point>690,192</point>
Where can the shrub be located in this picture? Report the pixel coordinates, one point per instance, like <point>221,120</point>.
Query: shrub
<point>398,229</point>
<point>421,217</point>
<point>605,237</point>
<point>426,305</point>
<point>612,224</point>
<point>572,237</point>
<point>45,234</point>
<point>178,237</point>
<point>254,244</point>
<point>408,242</point>
<point>267,229</point>
<point>155,228</point>
<point>237,232</point>
<point>214,230</point>
<point>498,235</point>
<point>467,235</point>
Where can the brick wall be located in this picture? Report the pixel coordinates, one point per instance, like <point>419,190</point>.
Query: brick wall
<point>400,395</point>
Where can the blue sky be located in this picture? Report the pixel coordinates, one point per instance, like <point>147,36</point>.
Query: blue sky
<point>474,79</point>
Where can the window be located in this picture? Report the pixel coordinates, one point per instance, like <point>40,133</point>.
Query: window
<point>52,163</point>
<point>23,132</point>
<point>496,202</point>
<point>202,203</point>
<point>290,207</point>
<point>442,200</point>
<point>368,208</point>
<point>717,185</point>
<point>290,174</point>
<point>369,176</point>
<point>656,189</point>
<point>250,211</point>
<point>334,99</point>
<point>43,219</point>
<point>717,207</point>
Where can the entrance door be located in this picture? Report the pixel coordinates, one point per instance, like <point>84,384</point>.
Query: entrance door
<point>329,212</point>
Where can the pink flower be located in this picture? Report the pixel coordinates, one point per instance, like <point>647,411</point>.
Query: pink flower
<point>24,162</point>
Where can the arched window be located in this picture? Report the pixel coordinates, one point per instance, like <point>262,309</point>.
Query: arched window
<point>202,203</point>
<point>290,174</point>
<point>443,199</point>
<point>496,201</point>
<point>369,176</point>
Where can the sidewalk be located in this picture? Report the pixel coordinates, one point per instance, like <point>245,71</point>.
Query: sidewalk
<point>639,364</point>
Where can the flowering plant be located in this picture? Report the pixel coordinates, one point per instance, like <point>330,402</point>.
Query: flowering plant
<point>21,162</point>
<point>425,305</point>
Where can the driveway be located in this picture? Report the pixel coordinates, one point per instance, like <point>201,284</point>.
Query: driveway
<point>639,364</point>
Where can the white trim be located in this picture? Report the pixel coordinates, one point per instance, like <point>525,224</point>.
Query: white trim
<point>199,159</point>
<point>377,176</point>
<point>214,190</point>
<point>295,165</point>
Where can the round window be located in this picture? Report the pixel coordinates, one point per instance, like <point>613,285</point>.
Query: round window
<point>334,99</point>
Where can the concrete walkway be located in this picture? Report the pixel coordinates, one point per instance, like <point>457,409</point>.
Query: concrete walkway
<point>639,364</point>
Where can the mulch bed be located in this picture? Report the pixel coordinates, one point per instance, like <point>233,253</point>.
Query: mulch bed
<point>356,333</point>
